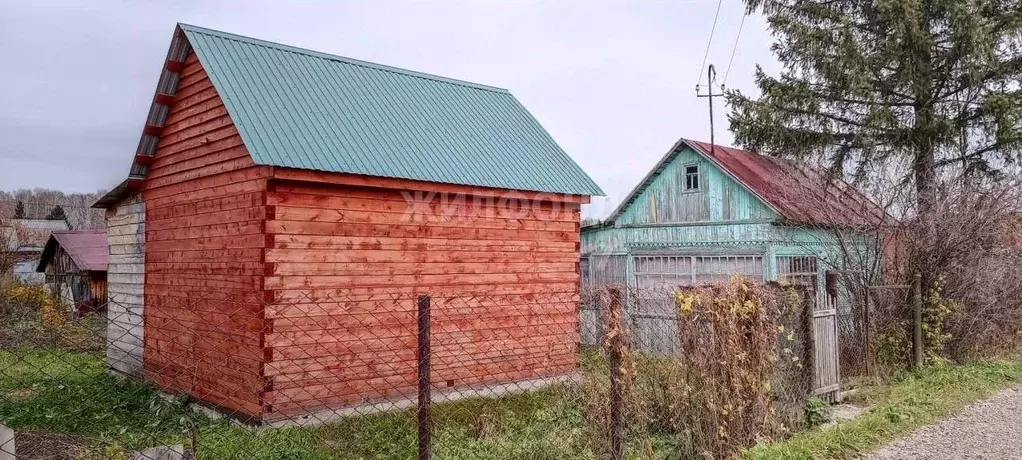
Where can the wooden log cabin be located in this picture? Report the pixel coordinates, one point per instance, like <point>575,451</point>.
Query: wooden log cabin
<point>74,263</point>
<point>286,208</point>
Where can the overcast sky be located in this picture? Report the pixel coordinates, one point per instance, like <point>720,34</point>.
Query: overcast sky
<point>613,82</point>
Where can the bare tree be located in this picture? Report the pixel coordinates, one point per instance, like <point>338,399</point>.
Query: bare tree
<point>8,248</point>
<point>38,203</point>
<point>968,241</point>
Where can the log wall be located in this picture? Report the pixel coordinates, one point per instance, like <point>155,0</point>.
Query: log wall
<point>345,265</point>
<point>204,241</point>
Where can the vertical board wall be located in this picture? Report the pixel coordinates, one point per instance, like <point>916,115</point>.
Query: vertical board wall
<point>126,285</point>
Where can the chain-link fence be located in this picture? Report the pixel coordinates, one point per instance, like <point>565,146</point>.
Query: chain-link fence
<point>877,324</point>
<point>701,371</point>
<point>669,372</point>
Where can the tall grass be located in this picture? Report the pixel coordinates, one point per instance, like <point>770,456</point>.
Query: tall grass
<point>911,400</point>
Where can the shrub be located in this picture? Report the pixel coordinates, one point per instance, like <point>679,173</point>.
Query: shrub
<point>734,341</point>
<point>817,412</point>
<point>31,317</point>
<point>740,372</point>
<point>19,301</point>
<point>938,312</point>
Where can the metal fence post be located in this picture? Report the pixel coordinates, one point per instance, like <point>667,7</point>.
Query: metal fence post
<point>615,314</point>
<point>424,380</point>
<point>917,320</point>
<point>865,332</point>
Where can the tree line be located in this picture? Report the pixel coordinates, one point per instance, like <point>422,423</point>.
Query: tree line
<point>40,203</point>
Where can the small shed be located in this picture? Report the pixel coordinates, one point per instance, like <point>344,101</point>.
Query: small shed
<point>285,209</point>
<point>75,264</point>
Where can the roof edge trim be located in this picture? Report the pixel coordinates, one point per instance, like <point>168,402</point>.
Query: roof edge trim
<point>188,28</point>
<point>657,169</point>
<point>157,115</point>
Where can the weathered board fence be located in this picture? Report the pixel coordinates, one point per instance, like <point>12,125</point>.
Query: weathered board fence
<point>827,381</point>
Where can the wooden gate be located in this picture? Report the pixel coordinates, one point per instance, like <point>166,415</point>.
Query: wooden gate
<point>805,271</point>
<point>827,380</point>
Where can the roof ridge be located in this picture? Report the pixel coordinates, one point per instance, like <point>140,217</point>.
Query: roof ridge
<point>782,161</point>
<point>334,57</point>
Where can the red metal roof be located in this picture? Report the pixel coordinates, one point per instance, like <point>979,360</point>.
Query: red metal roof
<point>88,248</point>
<point>799,194</point>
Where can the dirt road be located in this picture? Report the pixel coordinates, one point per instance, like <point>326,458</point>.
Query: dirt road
<point>989,429</point>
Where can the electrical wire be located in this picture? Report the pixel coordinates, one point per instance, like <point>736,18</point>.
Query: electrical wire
<point>708,43</point>
<point>733,49</point>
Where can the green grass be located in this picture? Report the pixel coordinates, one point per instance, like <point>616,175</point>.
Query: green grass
<point>71,393</point>
<point>68,392</point>
<point>530,426</point>
<point>914,399</point>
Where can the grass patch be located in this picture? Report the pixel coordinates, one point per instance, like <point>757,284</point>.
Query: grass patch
<point>71,393</point>
<point>912,400</point>
<point>61,391</point>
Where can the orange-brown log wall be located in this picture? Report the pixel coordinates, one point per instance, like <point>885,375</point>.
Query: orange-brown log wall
<point>204,243</point>
<point>345,265</point>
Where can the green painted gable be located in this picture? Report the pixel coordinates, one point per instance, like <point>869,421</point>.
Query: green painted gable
<point>662,198</point>
<point>303,109</point>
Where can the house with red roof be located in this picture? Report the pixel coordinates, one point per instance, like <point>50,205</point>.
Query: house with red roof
<point>75,266</point>
<point>705,213</point>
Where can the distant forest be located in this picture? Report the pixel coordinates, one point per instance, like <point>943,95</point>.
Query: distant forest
<point>40,203</point>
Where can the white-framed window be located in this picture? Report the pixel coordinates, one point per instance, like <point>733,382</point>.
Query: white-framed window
<point>671,270</point>
<point>798,269</point>
<point>719,269</point>
<point>691,178</point>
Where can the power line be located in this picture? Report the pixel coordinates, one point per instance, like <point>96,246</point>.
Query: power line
<point>733,49</point>
<point>709,42</point>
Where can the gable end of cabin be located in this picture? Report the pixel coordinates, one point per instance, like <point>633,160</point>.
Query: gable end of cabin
<point>689,188</point>
<point>205,219</point>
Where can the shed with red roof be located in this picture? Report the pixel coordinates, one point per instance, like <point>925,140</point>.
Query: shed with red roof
<point>75,264</point>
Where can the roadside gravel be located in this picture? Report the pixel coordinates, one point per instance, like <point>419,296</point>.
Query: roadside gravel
<point>989,429</point>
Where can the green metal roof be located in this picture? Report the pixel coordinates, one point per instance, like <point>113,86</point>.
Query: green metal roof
<point>309,110</point>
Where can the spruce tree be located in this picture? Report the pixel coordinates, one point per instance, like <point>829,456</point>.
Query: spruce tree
<point>57,213</point>
<point>930,84</point>
<point>19,210</point>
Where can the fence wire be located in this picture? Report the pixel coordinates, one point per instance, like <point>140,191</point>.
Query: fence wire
<point>610,373</point>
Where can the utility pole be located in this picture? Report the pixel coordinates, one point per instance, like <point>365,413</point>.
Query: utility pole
<point>711,78</point>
